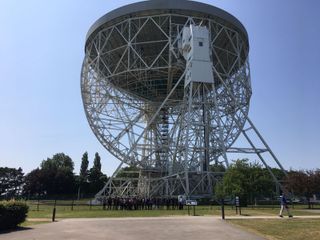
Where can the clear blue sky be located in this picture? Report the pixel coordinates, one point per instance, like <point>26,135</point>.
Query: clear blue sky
<point>41,52</point>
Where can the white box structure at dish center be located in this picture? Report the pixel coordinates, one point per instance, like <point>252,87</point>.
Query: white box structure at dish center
<point>196,51</point>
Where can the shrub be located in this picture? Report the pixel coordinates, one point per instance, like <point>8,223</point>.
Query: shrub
<point>12,213</point>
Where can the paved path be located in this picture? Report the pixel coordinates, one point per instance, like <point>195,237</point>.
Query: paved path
<point>159,228</point>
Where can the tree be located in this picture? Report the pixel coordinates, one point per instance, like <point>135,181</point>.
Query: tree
<point>97,163</point>
<point>83,176</point>
<point>11,181</point>
<point>84,167</point>
<point>248,180</point>
<point>95,172</point>
<point>219,190</point>
<point>217,167</point>
<point>304,183</point>
<point>96,178</point>
<point>235,180</point>
<point>59,161</point>
<point>316,181</point>
<point>59,172</point>
<point>34,183</point>
<point>55,176</point>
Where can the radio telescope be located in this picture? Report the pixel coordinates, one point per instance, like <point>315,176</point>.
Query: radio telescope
<point>166,89</point>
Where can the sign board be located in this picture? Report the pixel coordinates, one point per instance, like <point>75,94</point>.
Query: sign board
<point>191,203</point>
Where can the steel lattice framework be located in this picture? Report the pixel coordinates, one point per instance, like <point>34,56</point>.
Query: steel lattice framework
<point>139,108</point>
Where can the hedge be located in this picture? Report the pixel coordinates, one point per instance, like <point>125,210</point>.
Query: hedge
<point>12,213</point>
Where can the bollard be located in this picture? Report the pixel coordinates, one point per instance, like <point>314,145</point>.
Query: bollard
<point>54,211</point>
<point>194,210</point>
<point>222,209</point>
<point>72,205</point>
<point>53,214</point>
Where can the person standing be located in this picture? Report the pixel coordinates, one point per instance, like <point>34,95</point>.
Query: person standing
<point>284,205</point>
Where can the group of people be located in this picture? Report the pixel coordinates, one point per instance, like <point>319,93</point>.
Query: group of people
<point>135,203</point>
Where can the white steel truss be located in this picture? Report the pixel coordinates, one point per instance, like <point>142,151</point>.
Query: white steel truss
<point>134,98</point>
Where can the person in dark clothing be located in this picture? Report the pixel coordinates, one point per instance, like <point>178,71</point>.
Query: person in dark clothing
<point>109,203</point>
<point>284,205</point>
<point>104,203</point>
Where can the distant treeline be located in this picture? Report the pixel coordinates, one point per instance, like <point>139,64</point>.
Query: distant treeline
<point>252,182</point>
<point>55,178</point>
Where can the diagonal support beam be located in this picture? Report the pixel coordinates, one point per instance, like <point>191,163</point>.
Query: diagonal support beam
<point>256,132</point>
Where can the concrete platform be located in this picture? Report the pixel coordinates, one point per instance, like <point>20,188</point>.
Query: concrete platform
<point>159,228</point>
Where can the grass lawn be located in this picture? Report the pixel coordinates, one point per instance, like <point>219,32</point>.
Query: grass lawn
<point>270,228</point>
<point>292,229</point>
<point>64,210</point>
<point>81,212</point>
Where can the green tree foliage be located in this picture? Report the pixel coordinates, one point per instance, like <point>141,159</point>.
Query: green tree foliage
<point>59,161</point>
<point>220,191</point>
<point>248,180</point>
<point>97,163</point>
<point>34,184</point>
<point>55,176</point>
<point>82,179</point>
<point>217,167</point>
<point>95,172</point>
<point>96,178</point>
<point>235,179</point>
<point>11,182</point>
<point>84,168</point>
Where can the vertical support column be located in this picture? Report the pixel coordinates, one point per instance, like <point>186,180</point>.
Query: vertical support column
<point>169,86</point>
<point>206,129</point>
<point>218,119</point>
<point>188,122</point>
